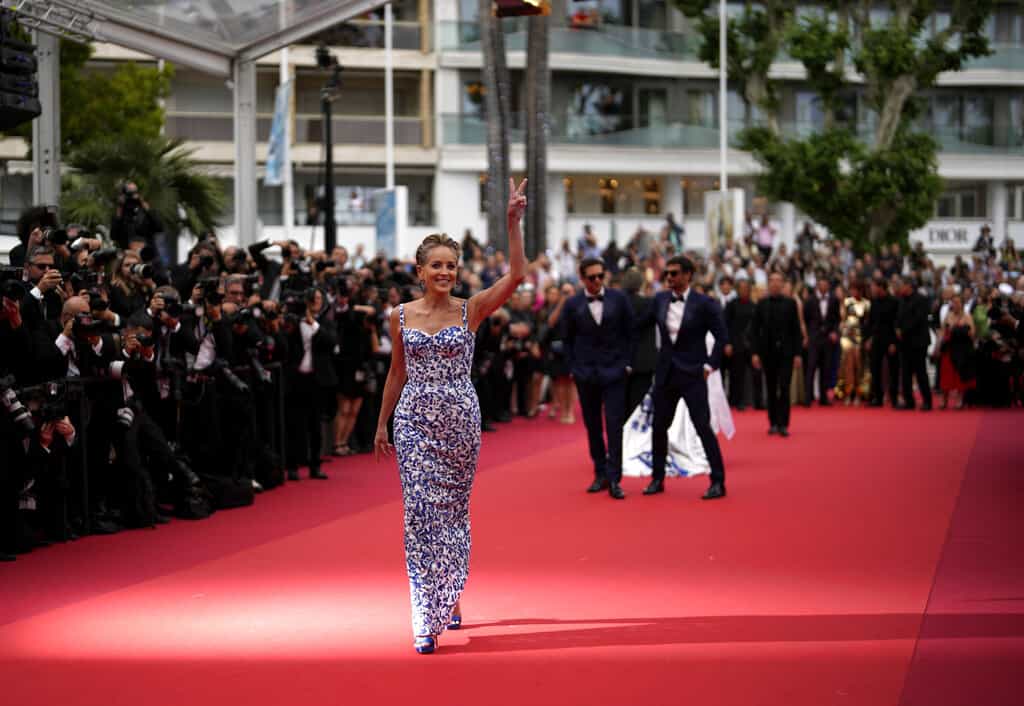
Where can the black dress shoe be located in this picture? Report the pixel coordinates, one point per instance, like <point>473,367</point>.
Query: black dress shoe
<point>655,486</point>
<point>161,519</point>
<point>317,473</point>
<point>598,485</point>
<point>875,403</point>
<point>7,557</point>
<point>824,403</point>
<point>903,406</point>
<point>293,474</point>
<point>773,429</point>
<point>103,526</point>
<point>926,408</point>
<point>616,491</point>
<point>784,432</point>
<point>717,490</point>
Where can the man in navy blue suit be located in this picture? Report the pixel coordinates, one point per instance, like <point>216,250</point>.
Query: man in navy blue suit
<point>684,318</point>
<point>598,336</point>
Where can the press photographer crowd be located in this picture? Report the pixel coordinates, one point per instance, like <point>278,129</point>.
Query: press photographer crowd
<point>135,390</point>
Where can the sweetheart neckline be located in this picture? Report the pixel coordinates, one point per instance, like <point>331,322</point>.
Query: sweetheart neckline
<point>431,335</point>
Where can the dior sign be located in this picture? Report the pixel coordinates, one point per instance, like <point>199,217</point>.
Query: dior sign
<point>947,236</point>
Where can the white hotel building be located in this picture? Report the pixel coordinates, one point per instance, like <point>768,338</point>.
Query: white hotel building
<point>634,126</point>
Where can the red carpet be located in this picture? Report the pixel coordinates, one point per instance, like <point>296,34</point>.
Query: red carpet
<point>812,583</point>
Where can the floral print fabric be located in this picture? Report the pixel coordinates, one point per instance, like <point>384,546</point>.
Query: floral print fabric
<point>437,441</point>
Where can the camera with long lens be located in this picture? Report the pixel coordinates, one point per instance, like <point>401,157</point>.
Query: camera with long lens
<point>211,290</point>
<point>86,326</point>
<point>55,236</point>
<point>18,413</point>
<point>52,403</point>
<point>142,270</point>
<point>83,279</point>
<point>97,304</point>
<point>227,375</point>
<point>12,282</point>
<point>104,255</point>
<point>172,305</point>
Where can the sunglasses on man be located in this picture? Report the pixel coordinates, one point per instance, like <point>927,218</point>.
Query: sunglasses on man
<point>595,278</point>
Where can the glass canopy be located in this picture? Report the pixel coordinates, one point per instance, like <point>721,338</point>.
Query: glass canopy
<point>235,24</point>
<point>211,35</point>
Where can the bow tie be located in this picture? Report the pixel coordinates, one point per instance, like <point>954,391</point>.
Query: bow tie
<point>678,298</point>
<point>595,298</point>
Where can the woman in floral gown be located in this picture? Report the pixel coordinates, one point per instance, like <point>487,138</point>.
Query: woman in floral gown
<point>437,422</point>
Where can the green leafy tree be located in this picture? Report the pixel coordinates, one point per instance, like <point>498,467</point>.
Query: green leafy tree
<point>96,102</point>
<point>874,182</point>
<point>169,179</point>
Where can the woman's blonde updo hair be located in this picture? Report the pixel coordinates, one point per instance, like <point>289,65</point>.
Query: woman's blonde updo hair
<point>436,240</point>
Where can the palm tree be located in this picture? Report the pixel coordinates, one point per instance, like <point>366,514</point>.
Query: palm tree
<point>497,94</point>
<point>169,179</point>
<point>538,102</point>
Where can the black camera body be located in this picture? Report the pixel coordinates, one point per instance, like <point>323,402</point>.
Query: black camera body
<point>86,325</point>
<point>12,285</point>
<point>55,236</point>
<point>172,305</point>
<point>211,290</point>
<point>83,279</point>
<point>142,270</point>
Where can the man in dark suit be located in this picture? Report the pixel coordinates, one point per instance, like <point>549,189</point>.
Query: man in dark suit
<point>912,334</point>
<point>684,318</point>
<point>310,373</point>
<point>821,315</point>
<point>645,352</point>
<point>775,330</point>
<point>598,334</point>
<point>739,316</point>
<point>880,340</point>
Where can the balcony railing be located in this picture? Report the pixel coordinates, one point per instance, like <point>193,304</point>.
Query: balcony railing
<point>369,34</point>
<point>347,129</point>
<point>472,130</point>
<point>603,39</point>
<point>606,39</point>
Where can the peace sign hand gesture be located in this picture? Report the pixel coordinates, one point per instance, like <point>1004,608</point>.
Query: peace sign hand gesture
<point>516,200</point>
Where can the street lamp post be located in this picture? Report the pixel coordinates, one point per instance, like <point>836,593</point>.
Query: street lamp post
<point>325,60</point>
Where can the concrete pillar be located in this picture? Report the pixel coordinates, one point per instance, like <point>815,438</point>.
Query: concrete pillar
<point>672,197</point>
<point>46,128</point>
<point>556,212</point>
<point>998,200</point>
<point>787,234</point>
<point>245,152</point>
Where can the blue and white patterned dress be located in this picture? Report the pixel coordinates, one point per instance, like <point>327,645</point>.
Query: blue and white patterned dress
<point>437,441</point>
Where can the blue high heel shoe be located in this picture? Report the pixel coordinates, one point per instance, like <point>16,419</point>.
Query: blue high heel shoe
<point>455,623</point>
<point>425,644</point>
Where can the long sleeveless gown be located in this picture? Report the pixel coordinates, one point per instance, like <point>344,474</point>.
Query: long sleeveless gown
<point>437,441</point>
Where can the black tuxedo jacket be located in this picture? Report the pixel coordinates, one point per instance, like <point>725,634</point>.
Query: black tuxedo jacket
<point>818,328</point>
<point>645,355</point>
<point>912,321</point>
<point>880,326</point>
<point>739,319</point>
<point>689,353</point>
<point>598,353</point>
<point>324,342</point>
<point>775,329</point>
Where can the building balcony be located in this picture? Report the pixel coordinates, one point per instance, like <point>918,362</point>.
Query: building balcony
<point>600,131</point>
<point>308,128</point>
<point>600,39</point>
<point>628,42</point>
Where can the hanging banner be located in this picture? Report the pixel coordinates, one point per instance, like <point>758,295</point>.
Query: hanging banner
<point>278,145</point>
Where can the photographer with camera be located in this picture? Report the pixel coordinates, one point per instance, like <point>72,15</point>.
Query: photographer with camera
<point>173,343</point>
<point>354,364</point>
<point>45,296</point>
<point>203,263</point>
<point>134,218</point>
<point>131,285</point>
<point>310,378</point>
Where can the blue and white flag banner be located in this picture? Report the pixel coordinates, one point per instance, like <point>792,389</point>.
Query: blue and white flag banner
<point>278,147</point>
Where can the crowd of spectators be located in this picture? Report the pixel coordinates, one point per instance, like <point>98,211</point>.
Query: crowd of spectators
<point>134,389</point>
